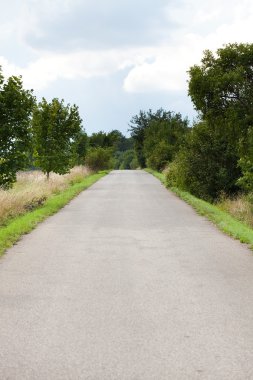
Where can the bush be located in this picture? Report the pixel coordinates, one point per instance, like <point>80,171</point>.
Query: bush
<point>160,155</point>
<point>99,159</point>
<point>134,164</point>
<point>127,159</point>
<point>207,165</point>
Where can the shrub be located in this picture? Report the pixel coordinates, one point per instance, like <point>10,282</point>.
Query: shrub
<point>207,165</point>
<point>126,160</point>
<point>99,159</point>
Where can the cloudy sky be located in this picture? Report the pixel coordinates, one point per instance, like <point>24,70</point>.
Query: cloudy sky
<point>115,57</point>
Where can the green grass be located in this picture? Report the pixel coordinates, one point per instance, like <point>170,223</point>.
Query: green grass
<point>221,219</point>
<point>11,232</point>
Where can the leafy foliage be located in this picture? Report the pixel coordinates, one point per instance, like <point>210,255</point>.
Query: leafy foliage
<point>207,165</point>
<point>138,125</point>
<point>80,147</point>
<point>223,85</point>
<point>16,106</point>
<point>99,159</point>
<point>125,160</point>
<point>163,139</point>
<point>55,127</point>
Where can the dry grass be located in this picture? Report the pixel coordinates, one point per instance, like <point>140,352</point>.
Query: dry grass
<point>32,189</point>
<point>240,207</point>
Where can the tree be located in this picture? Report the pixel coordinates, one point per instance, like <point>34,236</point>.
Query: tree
<point>16,105</point>
<point>98,139</point>
<point>80,147</point>
<point>221,89</point>
<point>163,139</point>
<point>55,127</point>
<point>125,160</point>
<point>207,164</point>
<point>99,158</point>
<point>223,84</point>
<point>139,124</point>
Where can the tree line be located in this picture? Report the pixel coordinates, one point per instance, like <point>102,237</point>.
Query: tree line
<point>215,154</point>
<point>50,136</point>
<point>210,157</point>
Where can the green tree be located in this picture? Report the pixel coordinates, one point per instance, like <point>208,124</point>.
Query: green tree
<point>221,89</point>
<point>140,124</point>
<point>80,147</point>
<point>207,165</point>
<point>163,139</point>
<point>55,127</point>
<point>98,139</point>
<point>137,125</point>
<point>99,158</point>
<point>246,164</point>
<point>125,160</point>
<point>16,105</point>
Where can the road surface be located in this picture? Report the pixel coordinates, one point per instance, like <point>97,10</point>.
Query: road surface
<point>126,282</point>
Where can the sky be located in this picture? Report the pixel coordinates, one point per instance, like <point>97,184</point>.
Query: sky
<point>114,58</point>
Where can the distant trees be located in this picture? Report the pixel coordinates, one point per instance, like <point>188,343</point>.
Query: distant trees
<point>99,158</point>
<point>157,136</point>
<point>55,127</point>
<point>138,125</point>
<point>113,144</point>
<point>80,147</point>
<point>125,160</point>
<point>16,105</point>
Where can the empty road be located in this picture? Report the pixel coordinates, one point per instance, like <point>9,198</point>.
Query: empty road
<point>126,282</point>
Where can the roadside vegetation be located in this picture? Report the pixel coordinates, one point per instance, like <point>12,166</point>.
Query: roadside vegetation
<point>222,217</point>
<point>15,227</point>
<point>47,158</point>
<point>32,190</point>
<point>212,159</point>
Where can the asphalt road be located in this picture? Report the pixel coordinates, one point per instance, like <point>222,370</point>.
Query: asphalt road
<point>126,282</point>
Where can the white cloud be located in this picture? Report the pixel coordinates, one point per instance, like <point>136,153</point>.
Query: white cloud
<point>50,67</point>
<point>166,73</point>
<point>8,68</point>
<point>197,26</point>
<point>233,22</point>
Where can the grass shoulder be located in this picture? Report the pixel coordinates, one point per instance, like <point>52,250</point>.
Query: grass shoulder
<point>224,221</point>
<point>23,224</point>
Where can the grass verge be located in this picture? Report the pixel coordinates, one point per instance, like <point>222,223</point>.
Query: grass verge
<point>12,231</point>
<point>225,222</point>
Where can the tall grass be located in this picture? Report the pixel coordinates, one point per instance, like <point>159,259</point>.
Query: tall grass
<point>240,207</point>
<point>32,189</point>
<point>22,224</point>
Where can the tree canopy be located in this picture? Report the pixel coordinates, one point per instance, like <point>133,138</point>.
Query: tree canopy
<point>157,136</point>
<point>55,127</point>
<point>221,89</point>
<point>16,105</point>
<point>222,86</point>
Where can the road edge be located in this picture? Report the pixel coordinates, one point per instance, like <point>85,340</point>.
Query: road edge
<point>224,221</point>
<point>25,223</point>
